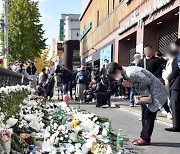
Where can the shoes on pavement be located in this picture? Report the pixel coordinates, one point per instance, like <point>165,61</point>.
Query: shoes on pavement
<point>141,142</point>
<point>131,105</point>
<point>140,119</point>
<point>173,129</point>
<point>109,103</point>
<point>136,139</point>
<point>169,115</point>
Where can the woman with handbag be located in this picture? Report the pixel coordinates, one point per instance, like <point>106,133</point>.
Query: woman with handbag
<point>152,95</point>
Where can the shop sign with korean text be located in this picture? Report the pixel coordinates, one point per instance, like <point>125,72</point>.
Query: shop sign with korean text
<point>61,35</point>
<point>86,30</point>
<point>59,49</point>
<point>138,17</point>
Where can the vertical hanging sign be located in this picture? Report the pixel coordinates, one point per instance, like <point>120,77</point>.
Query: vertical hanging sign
<point>61,30</point>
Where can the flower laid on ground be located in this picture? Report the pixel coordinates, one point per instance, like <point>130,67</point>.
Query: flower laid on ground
<point>62,129</point>
<point>52,127</point>
<point>55,128</point>
<point>11,99</point>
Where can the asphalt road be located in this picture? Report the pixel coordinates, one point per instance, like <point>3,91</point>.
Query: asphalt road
<point>162,142</point>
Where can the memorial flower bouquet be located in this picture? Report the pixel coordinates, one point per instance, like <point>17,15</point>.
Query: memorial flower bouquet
<point>59,128</point>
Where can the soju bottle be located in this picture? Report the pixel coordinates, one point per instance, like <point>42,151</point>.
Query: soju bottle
<point>119,141</point>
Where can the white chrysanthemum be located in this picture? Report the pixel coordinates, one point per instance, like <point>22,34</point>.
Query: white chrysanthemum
<point>11,122</point>
<point>47,147</point>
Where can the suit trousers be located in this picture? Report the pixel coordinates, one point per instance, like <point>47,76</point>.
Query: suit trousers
<point>175,104</point>
<point>148,119</point>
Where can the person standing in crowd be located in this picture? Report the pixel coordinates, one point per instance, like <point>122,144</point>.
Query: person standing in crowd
<point>74,79</point>
<point>154,65</point>
<point>174,81</point>
<point>70,83</point>
<point>10,66</point>
<point>96,73</point>
<point>145,83</point>
<point>159,55</point>
<point>31,70</point>
<point>150,62</point>
<point>171,54</point>
<point>137,58</point>
<point>163,67</point>
<point>104,69</point>
<point>51,69</point>
<point>58,73</point>
<point>43,77</point>
<point>81,82</point>
<point>21,68</point>
<point>16,65</point>
<point>65,78</point>
<point>58,78</point>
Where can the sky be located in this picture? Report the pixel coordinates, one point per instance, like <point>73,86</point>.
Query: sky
<point>51,11</point>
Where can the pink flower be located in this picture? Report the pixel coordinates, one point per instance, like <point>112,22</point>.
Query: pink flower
<point>93,136</point>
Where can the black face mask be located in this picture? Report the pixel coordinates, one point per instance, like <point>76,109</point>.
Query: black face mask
<point>173,52</point>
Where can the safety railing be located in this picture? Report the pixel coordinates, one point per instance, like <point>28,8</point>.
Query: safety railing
<point>10,78</point>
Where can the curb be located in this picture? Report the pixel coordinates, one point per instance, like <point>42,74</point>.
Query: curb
<point>162,119</point>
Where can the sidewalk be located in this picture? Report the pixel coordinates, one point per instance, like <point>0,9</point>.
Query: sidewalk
<point>124,104</point>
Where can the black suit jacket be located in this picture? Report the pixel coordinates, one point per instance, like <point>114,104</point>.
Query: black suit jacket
<point>174,77</point>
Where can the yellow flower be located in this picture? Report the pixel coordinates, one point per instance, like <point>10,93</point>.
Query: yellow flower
<point>75,123</point>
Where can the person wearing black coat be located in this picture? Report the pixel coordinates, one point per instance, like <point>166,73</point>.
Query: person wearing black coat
<point>31,69</point>
<point>102,95</point>
<point>174,81</point>
<point>65,79</point>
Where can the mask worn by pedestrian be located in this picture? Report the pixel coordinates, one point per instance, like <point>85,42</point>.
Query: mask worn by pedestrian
<point>119,77</point>
<point>173,53</point>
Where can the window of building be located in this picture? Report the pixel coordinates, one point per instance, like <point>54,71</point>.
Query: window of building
<point>113,4</point>
<point>108,6</point>
<point>97,18</point>
<point>77,34</point>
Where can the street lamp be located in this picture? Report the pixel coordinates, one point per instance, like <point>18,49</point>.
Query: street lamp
<point>6,55</point>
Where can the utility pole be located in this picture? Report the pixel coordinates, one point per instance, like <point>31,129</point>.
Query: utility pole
<point>6,55</point>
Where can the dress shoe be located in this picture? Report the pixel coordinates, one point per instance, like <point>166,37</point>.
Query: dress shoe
<point>173,129</point>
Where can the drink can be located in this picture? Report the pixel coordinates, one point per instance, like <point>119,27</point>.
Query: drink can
<point>32,148</point>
